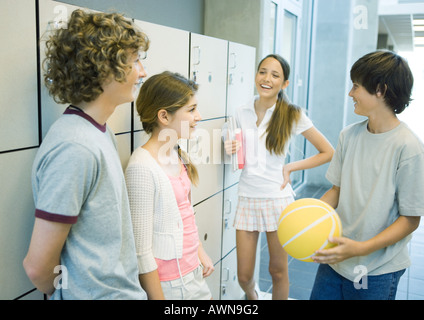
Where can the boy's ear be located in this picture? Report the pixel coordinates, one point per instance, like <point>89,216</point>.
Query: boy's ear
<point>163,117</point>
<point>381,92</point>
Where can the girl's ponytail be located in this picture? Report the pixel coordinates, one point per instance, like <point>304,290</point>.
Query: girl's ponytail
<point>281,124</point>
<point>191,169</point>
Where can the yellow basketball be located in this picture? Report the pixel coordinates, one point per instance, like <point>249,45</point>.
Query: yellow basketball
<point>304,227</point>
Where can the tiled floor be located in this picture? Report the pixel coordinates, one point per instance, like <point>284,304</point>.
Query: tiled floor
<point>302,274</point>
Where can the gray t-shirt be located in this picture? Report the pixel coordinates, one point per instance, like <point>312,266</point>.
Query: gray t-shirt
<point>380,178</point>
<point>78,179</point>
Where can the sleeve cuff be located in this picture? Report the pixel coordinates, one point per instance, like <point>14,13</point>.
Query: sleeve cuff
<point>146,263</point>
<point>55,217</point>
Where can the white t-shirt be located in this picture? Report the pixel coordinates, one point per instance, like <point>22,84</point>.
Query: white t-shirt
<point>262,175</point>
<point>380,178</point>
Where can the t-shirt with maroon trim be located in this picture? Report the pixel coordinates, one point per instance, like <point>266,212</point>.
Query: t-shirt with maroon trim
<point>77,179</point>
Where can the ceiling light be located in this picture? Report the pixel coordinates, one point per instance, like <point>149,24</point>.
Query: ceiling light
<point>418,28</point>
<point>419,40</point>
<point>418,22</point>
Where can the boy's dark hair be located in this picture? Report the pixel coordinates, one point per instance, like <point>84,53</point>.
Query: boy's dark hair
<point>387,72</point>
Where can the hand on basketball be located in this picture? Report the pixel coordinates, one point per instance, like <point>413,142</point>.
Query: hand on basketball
<point>345,249</point>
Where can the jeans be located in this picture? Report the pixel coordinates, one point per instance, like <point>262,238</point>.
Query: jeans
<point>329,285</point>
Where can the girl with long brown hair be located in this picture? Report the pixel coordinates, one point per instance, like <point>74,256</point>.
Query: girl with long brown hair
<point>268,122</point>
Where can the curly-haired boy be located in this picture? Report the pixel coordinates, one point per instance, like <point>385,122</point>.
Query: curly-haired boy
<point>82,245</point>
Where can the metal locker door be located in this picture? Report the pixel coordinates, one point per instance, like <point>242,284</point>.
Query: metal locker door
<point>168,51</point>
<point>208,67</point>
<point>18,85</point>
<point>205,151</point>
<point>16,221</point>
<point>208,219</point>
<point>230,288</point>
<point>241,83</point>
<point>229,209</point>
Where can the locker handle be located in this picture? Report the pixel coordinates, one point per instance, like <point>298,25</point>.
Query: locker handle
<point>196,55</point>
<point>228,274</point>
<point>228,206</point>
<point>234,61</point>
<point>224,290</point>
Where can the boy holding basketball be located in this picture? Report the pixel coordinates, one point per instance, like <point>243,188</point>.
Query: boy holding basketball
<point>377,173</point>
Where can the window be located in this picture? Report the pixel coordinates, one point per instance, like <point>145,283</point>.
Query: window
<point>273,26</point>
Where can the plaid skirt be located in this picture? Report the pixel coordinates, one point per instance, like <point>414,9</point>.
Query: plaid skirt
<point>255,214</point>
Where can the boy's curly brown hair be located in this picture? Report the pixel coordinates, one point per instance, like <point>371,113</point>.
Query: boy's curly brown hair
<point>94,47</point>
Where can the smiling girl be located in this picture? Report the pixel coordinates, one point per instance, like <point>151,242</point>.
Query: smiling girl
<point>268,123</point>
<point>171,259</point>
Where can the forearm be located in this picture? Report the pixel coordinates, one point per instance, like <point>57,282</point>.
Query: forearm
<point>205,260</point>
<point>347,248</point>
<point>323,146</point>
<point>44,252</point>
<point>42,278</point>
<point>151,284</point>
<point>400,229</point>
<point>332,197</point>
<point>309,163</point>
<point>324,155</point>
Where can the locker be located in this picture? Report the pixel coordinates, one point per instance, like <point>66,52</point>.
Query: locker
<point>123,142</point>
<point>208,219</point>
<point>18,85</point>
<point>35,295</point>
<point>168,51</point>
<point>16,221</point>
<point>208,67</point>
<point>140,138</point>
<point>206,153</point>
<point>241,75</point>
<point>230,288</point>
<point>241,83</point>
<point>229,210</point>
<point>120,120</point>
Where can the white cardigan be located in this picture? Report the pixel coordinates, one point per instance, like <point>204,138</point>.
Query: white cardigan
<point>156,219</point>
